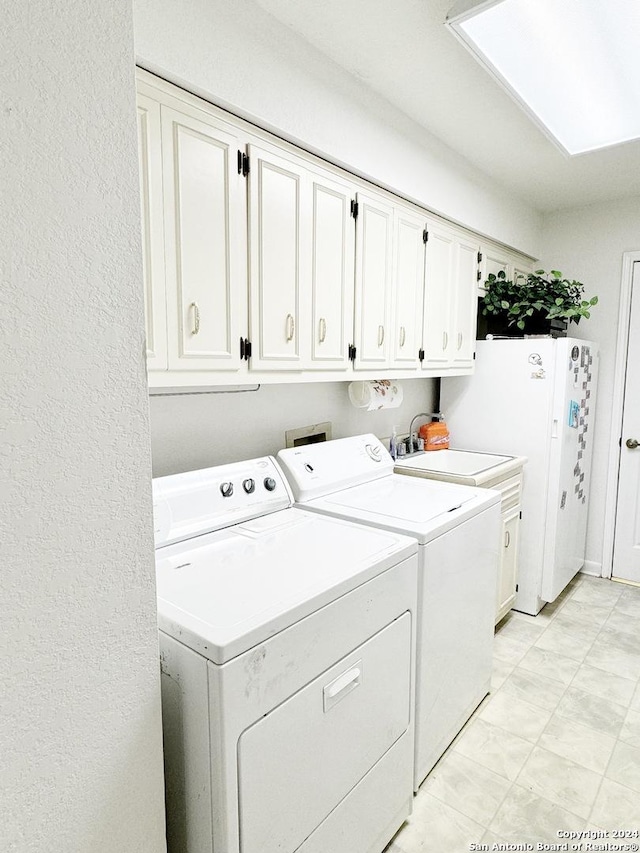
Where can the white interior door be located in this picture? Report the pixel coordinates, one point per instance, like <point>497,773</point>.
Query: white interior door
<point>626,549</point>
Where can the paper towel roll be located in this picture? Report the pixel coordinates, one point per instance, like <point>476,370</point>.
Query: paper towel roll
<point>376,394</point>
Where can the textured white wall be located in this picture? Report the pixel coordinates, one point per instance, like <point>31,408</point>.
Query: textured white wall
<point>242,58</point>
<point>189,432</point>
<point>80,737</point>
<point>587,244</point>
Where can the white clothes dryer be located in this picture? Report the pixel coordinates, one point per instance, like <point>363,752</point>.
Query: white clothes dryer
<point>287,644</point>
<point>458,532</point>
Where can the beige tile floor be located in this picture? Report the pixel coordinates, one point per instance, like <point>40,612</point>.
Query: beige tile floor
<point>556,745</point>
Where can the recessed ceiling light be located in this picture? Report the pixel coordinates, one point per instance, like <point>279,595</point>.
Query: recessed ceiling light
<point>573,65</point>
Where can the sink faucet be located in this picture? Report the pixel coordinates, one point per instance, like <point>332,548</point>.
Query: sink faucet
<point>410,443</point>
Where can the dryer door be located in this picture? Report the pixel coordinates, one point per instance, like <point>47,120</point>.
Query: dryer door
<point>296,764</point>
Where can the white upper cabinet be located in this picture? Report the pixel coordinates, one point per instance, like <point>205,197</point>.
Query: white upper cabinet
<point>438,296</point>
<point>263,263</point>
<point>150,160</point>
<point>450,306</point>
<point>374,241</point>
<point>333,262</point>
<point>497,259</point>
<point>494,260</point>
<point>302,246</point>
<point>465,311</point>
<point>204,212</point>
<point>279,263</point>
<point>408,286</point>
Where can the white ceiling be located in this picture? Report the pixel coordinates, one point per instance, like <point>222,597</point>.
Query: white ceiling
<point>402,50</point>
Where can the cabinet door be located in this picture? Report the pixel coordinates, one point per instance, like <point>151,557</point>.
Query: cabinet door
<point>374,234</point>
<point>333,260</point>
<point>279,261</point>
<point>204,233</point>
<point>408,287</point>
<point>465,313</point>
<point>150,164</point>
<point>494,260</point>
<point>438,295</point>
<point>521,271</point>
<point>508,570</point>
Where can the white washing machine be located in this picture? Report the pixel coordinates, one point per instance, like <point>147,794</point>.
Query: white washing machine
<point>287,644</point>
<point>457,528</point>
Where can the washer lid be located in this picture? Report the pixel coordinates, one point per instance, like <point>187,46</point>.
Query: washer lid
<point>417,507</point>
<point>224,592</point>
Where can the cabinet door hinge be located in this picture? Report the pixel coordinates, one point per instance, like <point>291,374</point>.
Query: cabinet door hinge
<point>421,354</point>
<point>425,236</point>
<point>520,514</point>
<point>245,349</point>
<point>479,257</point>
<point>243,164</point>
<point>516,587</point>
<point>241,349</point>
<point>354,208</point>
<point>478,275</point>
<point>474,356</point>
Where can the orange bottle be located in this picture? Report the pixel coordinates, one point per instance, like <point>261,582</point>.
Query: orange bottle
<point>435,435</point>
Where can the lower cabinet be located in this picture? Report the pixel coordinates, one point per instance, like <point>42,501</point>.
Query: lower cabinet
<point>508,569</point>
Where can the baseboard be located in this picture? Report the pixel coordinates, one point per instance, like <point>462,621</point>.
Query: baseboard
<point>592,568</point>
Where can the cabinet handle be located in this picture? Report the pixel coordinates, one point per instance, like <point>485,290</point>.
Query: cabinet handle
<point>380,335</point>
<point>459,339</point>
<point>507,539</point>
<point>403,336</point>
<point>291,327</point>
<point>445,340</point>
<point>196,318</point>
<point>323,330</point>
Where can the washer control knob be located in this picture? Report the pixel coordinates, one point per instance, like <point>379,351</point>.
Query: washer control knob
<point>308,467</point>
<point>374,451</point>
<point>249,485</point>
<point>226,489</point>
<point>269,484</point>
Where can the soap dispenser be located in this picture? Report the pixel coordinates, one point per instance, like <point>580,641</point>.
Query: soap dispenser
<point>393,443</point>
<point>435,434</point>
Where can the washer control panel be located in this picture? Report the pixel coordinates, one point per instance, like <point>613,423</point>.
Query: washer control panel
<point>316,470</point>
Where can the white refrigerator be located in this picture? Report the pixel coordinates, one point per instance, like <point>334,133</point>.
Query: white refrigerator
<point>535,397</point>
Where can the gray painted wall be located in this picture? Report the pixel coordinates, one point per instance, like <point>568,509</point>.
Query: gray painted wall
<point>242,58</point>
<point>587,244</point>
<point>196,431</point>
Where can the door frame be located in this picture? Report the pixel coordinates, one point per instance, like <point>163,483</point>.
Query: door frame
<point>624,318</point>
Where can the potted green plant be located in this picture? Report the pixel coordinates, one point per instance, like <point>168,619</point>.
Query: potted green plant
<point>537,303</point>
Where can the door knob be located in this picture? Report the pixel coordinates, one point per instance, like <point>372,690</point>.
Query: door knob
<point>632,443</point>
